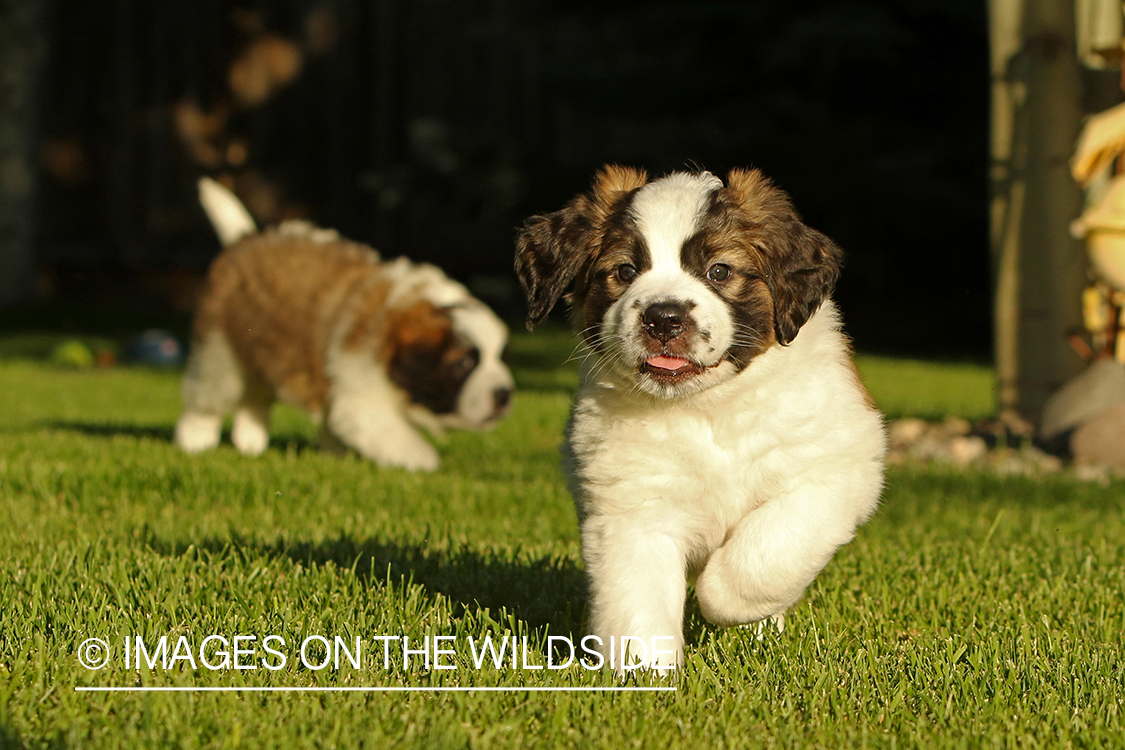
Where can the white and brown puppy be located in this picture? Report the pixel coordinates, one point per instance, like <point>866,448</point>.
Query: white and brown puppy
<point>721,431</point>
<point>372,349</point>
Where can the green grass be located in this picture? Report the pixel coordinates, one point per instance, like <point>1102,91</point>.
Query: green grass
<point>972,611</point>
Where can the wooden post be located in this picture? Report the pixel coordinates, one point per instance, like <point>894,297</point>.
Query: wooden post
<point>1039,269</point>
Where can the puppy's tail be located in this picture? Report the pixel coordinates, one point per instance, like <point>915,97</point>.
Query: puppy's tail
<point>230,218</point>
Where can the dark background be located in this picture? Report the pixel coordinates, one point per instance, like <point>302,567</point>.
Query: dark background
<point>433,128</point>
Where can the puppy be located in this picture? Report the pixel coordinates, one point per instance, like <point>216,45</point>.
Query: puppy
<point>721,431</point>
<point>371,349</point>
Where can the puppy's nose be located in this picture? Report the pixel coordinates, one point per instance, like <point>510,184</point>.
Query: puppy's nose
<point>664,320</point>
<point>501,397</point>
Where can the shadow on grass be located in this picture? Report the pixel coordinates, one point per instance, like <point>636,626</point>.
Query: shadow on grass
<point>542,592</point>
<point>281,442</point>
<point>108,429</point>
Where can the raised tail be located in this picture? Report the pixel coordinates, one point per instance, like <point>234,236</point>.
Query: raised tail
<point>230,218</point>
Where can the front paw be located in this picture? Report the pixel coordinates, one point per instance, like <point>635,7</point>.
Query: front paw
<point>661,656</point>
<point>726,600</point>
<point>418,460</point>
<point>407,450</point>
<point>648,670</point>
<point>198,432</point>
<point>415,455</point>
<point>777,621</point>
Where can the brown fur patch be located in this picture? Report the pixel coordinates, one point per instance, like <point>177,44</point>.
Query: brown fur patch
<point>278,299</point>
<point>798,264</point>
<point>612,181</point>
<point>426,358</point>
<point>419,326</point>
<point>756,194</point>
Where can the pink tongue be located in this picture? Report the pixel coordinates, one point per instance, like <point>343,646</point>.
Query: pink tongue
<point>667,363</point>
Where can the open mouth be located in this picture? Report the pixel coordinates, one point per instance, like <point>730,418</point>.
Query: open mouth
<point>666,369</point>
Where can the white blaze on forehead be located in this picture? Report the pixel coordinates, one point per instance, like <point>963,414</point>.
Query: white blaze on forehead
<point>668,211</point>
<point>482,327</point>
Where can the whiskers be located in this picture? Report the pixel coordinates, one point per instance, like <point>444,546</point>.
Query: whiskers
<point>582,350</point>
<point>745,336</point>
<point>609,356</point>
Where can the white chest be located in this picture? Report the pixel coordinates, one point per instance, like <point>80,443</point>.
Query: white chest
<point>682,463</point>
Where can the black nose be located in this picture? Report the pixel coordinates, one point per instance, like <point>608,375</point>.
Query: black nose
<point>664,320</point>
<point>501,397</point>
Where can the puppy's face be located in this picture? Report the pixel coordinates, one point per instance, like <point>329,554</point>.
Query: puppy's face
<point>448,360</point>
<point>679,283</point>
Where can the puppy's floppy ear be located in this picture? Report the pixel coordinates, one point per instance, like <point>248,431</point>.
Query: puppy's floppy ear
<point>552,249</point>
<point>804,275</point>
<point>803,264</point>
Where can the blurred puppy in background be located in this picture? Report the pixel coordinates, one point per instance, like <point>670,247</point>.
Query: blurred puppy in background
<point>721,432</point>
<point>372,349</point>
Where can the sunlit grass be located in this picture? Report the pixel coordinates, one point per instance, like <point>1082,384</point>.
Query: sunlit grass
<point>971,611</point>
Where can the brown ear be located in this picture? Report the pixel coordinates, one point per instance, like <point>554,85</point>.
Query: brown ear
<point>804,275</point>
<point>803,263</point>
<point>551,249</point>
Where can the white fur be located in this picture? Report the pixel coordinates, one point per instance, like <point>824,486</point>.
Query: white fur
<point>197,431</point>
<point>230,218</point>
<point>752,483</point>
<point>750,480</point>
<point>476,402</point>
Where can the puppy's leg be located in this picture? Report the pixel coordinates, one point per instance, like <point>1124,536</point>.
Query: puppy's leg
<point>250,432</point>
<point>213,385</point>
<point>197,432</point>
<point>637,590</point>
<point>772,555</point>
<point>367,414</point>
<point>383,436</point>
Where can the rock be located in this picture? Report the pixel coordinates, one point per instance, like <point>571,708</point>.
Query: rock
<point>1083,397</point>
<point>906,432</point>
<point>1101,440</point>
<point>956,425</point>
<point>1100,474</point>
<point>965,450</point>
<point>958,443</point>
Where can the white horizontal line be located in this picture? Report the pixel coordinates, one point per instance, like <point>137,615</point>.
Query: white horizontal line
<point>374,689</point>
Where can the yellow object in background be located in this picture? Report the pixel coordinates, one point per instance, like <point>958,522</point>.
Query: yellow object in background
<point>1095,310</point>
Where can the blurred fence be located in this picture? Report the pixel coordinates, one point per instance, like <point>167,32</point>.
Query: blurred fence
<point>402,122</point>
<point>433,127</point>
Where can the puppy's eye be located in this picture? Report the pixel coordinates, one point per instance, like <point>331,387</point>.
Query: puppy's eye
<point>626,273</point>
<point>718,272</point>
<point>465,364</point>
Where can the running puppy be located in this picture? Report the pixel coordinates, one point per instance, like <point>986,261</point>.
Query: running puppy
<point>721,431</point>
<point>372,349</point>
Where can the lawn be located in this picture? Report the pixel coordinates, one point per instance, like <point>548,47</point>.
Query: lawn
<point>972,611</point>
